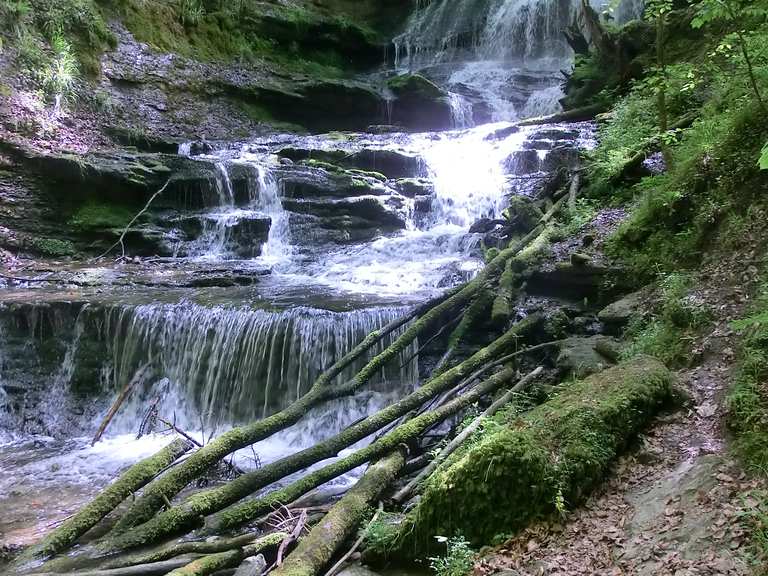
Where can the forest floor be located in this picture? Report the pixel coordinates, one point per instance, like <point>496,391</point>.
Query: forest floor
<point>676,504</point>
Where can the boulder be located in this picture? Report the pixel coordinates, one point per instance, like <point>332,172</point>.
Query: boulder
<point>580,357</point>
<point>621,312</point>
<point>419,104</point>
<point>522,214</point>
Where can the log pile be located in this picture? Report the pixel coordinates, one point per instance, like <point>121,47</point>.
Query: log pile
<point>228,526</point>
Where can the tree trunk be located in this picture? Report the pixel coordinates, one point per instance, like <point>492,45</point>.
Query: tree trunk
<point>134,478</point>
<point>155,496</point>
<point>406,432</point>
<point>316,550</point>
<point>575,115</point>
<point>464,435</point>
<point>188,514</point>
<point>229,559</point>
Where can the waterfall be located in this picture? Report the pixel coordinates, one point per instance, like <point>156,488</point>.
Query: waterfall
<point>225,365</point>
<point>220,238</point>
<point>506,53</point>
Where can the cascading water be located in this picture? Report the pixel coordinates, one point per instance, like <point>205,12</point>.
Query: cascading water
<point>503,53</point>
<point>211,360</point>
<point>225,365</point>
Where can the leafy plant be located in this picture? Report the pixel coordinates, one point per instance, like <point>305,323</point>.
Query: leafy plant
<point>735,12</point>
<point>192,12</point>
<point>763,162</point>
<point>458,559</point>
<point>61,75</point>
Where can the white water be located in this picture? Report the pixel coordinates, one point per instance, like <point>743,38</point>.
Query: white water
<point>488,48</point>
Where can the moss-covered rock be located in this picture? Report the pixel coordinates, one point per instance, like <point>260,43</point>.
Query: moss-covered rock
<point>419,103</point>
<point>532,464</point>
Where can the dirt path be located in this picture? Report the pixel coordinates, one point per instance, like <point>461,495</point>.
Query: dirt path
<point>673,504</point>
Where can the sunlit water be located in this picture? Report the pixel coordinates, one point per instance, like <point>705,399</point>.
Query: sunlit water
<point>210,366</point>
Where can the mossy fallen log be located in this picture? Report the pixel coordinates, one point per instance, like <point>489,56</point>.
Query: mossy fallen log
<point>549,456</point>
<point>188,514</point>
<point>253,509</point>
<point>229,559</point>
<point>575,115</point>
<point>158,493</point>
<point>316,550</point>
<point>134,478</point>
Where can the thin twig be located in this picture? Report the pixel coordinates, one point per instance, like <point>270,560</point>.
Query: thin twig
<point>121,241</point>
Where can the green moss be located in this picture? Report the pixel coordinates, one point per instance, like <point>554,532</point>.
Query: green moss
<point>748,398</point>
<point>52,247</point>
<point>540,461</point>
<point>94,216</point>
<point>415,86</point>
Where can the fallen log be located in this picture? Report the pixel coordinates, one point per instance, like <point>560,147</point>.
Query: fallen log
<point>134,478</point>
<point>540,461</point>
<point>187,515</point>
<point>575,115</point>
<point>316,550</point>
<point>649,147</point>
<point>406,432</point>
<point>155,495</point>
<point>229,559</point>
<point>404,493</point>
<point>153,569</point>
<point>121,398</point>
<point>165,488</point>
<point>181,548</point>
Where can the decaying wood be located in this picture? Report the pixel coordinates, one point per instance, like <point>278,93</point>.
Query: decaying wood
<point>121,398</point>
<point>404,493</point>
<point>187,515</point>
<point>359,542</point>
<point>575,115</point>
<point>316,550</point>
<point>407,432</point>
<point>212,563</point>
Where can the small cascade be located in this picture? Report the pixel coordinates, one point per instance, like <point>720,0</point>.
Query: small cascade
<point>502,51</point>
<point>461,111</point>
<point>224,365</point>
<point>256,227</point>
<point>265,194</point>
<point>543,102</point>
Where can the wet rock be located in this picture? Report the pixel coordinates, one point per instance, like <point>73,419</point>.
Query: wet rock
<point>522,214</point>
<point>419,104</point>
<point>390,163</point>
<point>254,566</point>
<point>485,225</point>
<point>314,180</point>
<point>634,305</point>
<point>523,162</point>
<point>413,187</point>
<point>503,133</point>
<point>580,357</point>
<point>569,281</point>
<point>357,570</point>
<point>382,211</point>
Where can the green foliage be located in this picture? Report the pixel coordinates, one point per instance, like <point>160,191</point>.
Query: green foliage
<point>748,398</point>
<point>61,73</point>
<point>668,335</point>
<point>458,559</point>
<point>380,535</point>
<point>763,162</point>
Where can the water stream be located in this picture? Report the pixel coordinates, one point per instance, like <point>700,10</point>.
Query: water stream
<point>209,360</point>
